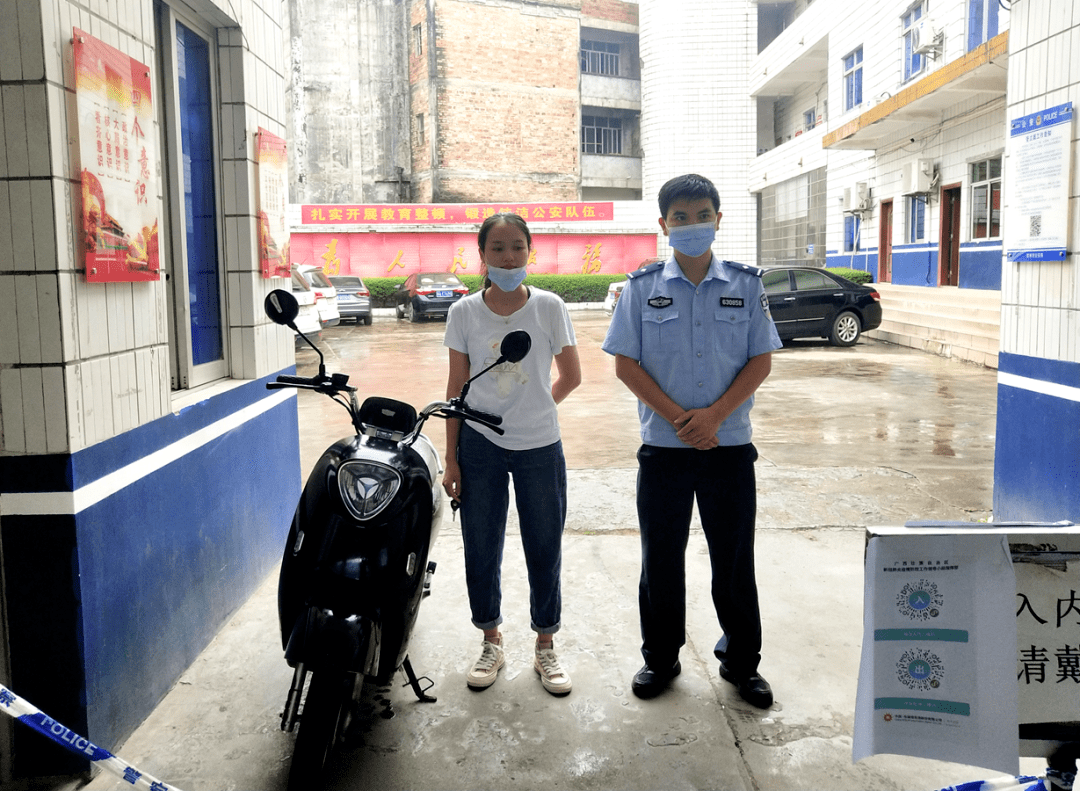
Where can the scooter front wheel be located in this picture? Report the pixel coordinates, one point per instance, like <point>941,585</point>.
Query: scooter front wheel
<point>321,723</point>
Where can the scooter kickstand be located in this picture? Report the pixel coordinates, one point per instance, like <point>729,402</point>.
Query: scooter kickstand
<point>414,682</point>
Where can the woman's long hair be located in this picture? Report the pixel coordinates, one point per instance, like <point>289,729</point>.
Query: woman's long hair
<point>502,217</point>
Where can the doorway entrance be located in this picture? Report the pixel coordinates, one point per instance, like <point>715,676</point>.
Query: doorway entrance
<point>949,244</point>
<point>885,243</point>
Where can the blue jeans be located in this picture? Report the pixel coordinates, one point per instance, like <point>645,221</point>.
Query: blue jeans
<point>540,493</point>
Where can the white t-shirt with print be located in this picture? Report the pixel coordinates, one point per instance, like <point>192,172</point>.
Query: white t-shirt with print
<point>519,392</point>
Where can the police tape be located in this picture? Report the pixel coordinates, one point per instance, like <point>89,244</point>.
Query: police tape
<point>23,711</point>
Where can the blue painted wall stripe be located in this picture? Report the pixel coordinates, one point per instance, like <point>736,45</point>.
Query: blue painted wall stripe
<point>1057,372</point>
<point>64,472</point>
<point>40,503</point>
<point>1036,469</point>
<point>115,585</point>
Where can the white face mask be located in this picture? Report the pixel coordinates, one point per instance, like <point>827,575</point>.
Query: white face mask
<point>507,279</point>
<point>692,240</point>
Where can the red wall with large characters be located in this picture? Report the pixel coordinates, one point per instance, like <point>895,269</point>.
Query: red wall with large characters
<point>391,254</point>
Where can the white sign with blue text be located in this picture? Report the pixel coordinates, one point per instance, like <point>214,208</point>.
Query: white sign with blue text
<point>1037,186</point>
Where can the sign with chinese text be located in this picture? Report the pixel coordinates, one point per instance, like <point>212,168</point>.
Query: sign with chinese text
<point>273,235</point>
<point>938,672</point>
<point>1039,166</point>
<point>1047,563</point>
<point>402,254</point>
<point>119,217</point>
<point>451,213</point>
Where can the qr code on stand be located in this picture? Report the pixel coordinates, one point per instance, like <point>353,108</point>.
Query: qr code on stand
<point>1036,225</point>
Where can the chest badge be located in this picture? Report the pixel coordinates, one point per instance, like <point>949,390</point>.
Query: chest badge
<point>660,302</point>
<point>731,302</point>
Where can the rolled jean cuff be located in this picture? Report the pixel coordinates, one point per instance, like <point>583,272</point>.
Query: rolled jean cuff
<point>489,624</point>
<point>546,629</point>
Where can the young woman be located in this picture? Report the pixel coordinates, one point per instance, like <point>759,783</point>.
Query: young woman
<point>479,461</point>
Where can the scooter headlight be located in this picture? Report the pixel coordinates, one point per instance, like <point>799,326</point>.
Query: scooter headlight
<point>367,487</point>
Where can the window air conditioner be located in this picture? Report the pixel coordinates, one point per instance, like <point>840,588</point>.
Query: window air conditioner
<point>856,198</point>
<point>924,37</point>
<point>917,177</point>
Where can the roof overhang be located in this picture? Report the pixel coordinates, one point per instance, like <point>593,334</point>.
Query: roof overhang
<point>922,104</point>
<point>809,69</point>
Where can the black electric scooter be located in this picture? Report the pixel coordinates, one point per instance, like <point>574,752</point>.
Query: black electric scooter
<point>356,563</point>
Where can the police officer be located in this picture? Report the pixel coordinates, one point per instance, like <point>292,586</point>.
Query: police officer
<point>693,339</point>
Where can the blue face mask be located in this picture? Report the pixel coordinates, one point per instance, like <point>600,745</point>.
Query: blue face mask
<point>692,240</point>
<point>507,279</point>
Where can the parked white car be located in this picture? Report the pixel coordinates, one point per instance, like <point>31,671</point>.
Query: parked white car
<point>315,280</point>
<point>614,291</point>
<point>307,320</point>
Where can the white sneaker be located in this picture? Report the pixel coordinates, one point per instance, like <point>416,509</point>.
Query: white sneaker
<point>554,678</point>
<point>486,669</point>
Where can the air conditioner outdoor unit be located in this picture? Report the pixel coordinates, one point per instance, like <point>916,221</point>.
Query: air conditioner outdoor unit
<point>857,198</point>
<point>917,177</point>
<point>924,37</point>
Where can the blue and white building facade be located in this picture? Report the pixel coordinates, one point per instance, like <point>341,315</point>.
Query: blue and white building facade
<point>880,140</point>
<point>1037,458</point>
<point>885,141</point>
<point>147,477</point>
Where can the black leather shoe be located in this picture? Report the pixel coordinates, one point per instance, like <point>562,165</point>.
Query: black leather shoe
<point>649,683</point>
<point>753,688</point>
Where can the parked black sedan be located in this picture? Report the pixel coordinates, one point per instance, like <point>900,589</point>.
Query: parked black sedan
<point>428,294</point>
<point>814,303</point>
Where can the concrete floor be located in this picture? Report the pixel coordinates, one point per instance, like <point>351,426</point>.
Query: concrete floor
<point>872,434</point>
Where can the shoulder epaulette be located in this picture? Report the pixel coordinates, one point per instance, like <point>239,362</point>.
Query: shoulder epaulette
<point>653,267</point>
<point>750,270</point>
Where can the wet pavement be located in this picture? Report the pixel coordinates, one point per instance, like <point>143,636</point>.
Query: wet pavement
<point>868,435</point>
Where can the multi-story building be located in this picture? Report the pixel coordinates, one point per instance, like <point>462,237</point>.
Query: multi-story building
<point>880,145</point>
<point>129,409</point>
<point>475,106</point>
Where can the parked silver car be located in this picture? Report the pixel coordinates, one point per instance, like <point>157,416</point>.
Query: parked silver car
<point>353,298</point>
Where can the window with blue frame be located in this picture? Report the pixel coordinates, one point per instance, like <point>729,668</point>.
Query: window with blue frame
<point>982,22</point>
<point>852,229</point>
<point>913,61</point>
<point>191,165</point>
<point>853,79</point>
<point>916,218</point>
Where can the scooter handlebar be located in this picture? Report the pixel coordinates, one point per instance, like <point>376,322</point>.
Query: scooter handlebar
<point>462,412</point>
<point>291,381</point>
<point>484,417</point>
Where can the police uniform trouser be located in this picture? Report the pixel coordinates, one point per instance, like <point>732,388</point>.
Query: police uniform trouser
<point>723,483</point>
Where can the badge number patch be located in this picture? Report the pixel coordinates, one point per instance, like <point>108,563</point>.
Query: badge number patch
<point>731,302</point>
<point>660,302</point>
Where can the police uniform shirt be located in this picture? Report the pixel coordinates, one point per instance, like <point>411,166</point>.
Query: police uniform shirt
<point>693,340</point>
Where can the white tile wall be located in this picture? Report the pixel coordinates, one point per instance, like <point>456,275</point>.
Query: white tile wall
<point>1042,300</point>
<point>81,362</point>
<point>697,115</point>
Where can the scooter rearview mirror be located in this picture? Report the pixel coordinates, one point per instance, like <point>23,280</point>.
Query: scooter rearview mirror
<point>281,307</point>
<point>515,346</point>
<point>513,349</point>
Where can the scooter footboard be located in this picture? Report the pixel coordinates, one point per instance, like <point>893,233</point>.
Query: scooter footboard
<point>323,641</point>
